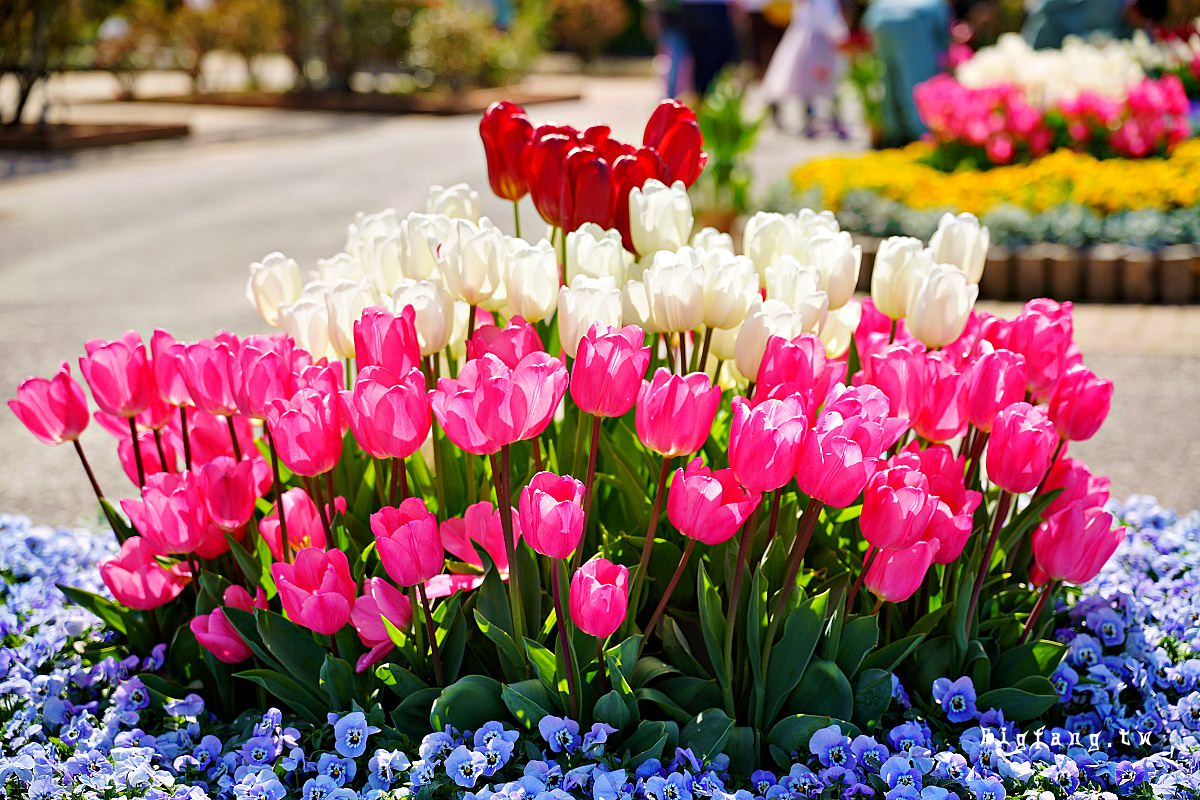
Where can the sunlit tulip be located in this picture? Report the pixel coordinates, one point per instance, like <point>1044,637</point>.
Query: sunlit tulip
<point>172,516</point>
<point>54,409</point>
<point>420,237</point>
<point>633,171</point>
<point>138,581</point>
<point>216,634</point>
<point>675,412</point>
<point>345,302</point>
<point>589,190</point>
<point>895,575</point>
<point>961,241</point>
<point>597,253</point>
<point>510,344</point>
<point>954,504</point>
<point>388,414</point>
<point>993,381</point>
<point>307,321</point>
<point>940,305</point>
<point>660,217</point>
<point>675,291</point>
<point>766,319</point>
<point>673,131</point>
<point>897,508</point>
<point>1043,340</point>
<point>408,541</point>
<point>713,239</point>
<point>237,597</point>
<point>765,441</point>
<point>901,264</point>
<point>384,339</point>
<point>798,365</point>
<point>530,280</point>
<point>799,286</point>
<point>730,287</point>
<point>838,331</point>
<point>261,371</point>
<point>941,412</point>
<point>434,310</point>
<point>166,357</point>
<point>505,131</point>
<point>470,261</point>
<point>229,491</point>
<point>1075,543</point>
<point>379,601</point>
<point>708,505</point>
<point>608,370</point>
<point>373,240</point>
<point>119,375</point>
<point>1077,484</point>
<point>1080,404</point>
<point>635,307</point>
<point>599,597</point>
<point>585,302</point>
<point>308,430</point>
<point>837,260</point>
<point>274,282</point>
<point>479,526</point>
<point>317,591</point>
<point>207,366</point>
<point>1020,448</point>
<point>304,526</point>
<point>551,514</point>
<point>458,201</point>
<point>767,237</point>
<point>544,165</point>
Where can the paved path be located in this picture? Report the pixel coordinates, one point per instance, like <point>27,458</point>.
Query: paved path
<point>161,235</point>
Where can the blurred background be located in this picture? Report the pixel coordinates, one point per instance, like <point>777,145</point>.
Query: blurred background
<point>151,149</point>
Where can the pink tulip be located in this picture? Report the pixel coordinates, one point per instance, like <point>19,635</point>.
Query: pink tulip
<point>229,491</point>
<point>551,514</point>
<point>897,508</point>
<point>1020,448</point>
<point>389,415</point>
<point>479,525</point>
<point>138,581</point>
<point>206,367</point>
<point>895,575</point>
<point>322,377</point>
<point>675,413</point>
<point>1078,485</point>
<point>308,431</point>
<point>953,515</point>
<point>261,371</point>
<point>599,597</point>
<point>216,634</point>
<point>54,409</point>
<point>119,375</point>
<point>172,516</point>
<point>608,370</point>
<point>874,332</point>
<point>868,404</point>
<point>844,447</point>
<point>510,344</point>
<point>384,339</point>
<point>899,371</point>
<point>765,441</point>
<point>798,365</point>
<point>317,591</point>
<point>303,523</point>
<point>209,436</point>
<point>379,601</point>
<point>941,409</point>
<point>151,463</point>
<point>237,597</point>
<point>1075,543</point>
<point>167,358</point>
<point>1080,404</point>
<point>993,381</point>
<point>408,541</point>
<point>708,505</point>
<point>490,406</point>
<point>1043,340</point>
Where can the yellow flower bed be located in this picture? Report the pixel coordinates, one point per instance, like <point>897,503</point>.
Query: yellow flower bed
<point>1106,186</point>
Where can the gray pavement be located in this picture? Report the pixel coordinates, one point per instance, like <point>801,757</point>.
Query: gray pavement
<point>160,235</point>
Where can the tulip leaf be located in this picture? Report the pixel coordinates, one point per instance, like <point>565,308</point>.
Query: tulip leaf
<point>823,690</point>
<point>468,703</point>
<point>872,696</point>
<point>292,646</point>
<point>789,737</point>
<point>678,651</point>
<point>411,717</point>
<point>120,527</point>
<point>790,657</point>
<point>859,637</point>
<point>399,680</point>
<point>511,663</point>
<point>935,658</point>
<point>648,668</point>
<point>707,733</point>
<point>712,623</point>
<point>111,614</point>
<point>1032,697</point>
<point>528,701</point>
<point>1027,520</point>
<point>1032,658</point>
<point>248,564</point>
<point>665,703</point>
<point>303,701</point>
<point>613,709</point>
<point>337,679</point>
<point>624,656</point>
<point>647,742</point>
<point>247,628</point>
<point>545,666</point>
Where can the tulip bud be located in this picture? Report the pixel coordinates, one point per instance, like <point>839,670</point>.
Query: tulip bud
<point>766,319</point>
<point>992,382</point>
<point>941,410</point>
<point>1080,404</point>
<point>434,309</point>
<point>55,410</point>
<point>961,241</point>
<point>317,591</point>
<point>585,302</point>
<point>307,322</point>
<point>797,366</point>
<point>1044,341</point>
<point>608,370</point>
<point>229,491</point>
<point>119,375</point>
<point>713,239</point>
<point>308,430</point>
<point>379,601</point>
<point>388,414</point>
<point>675,291</point>
<point>940,306</point>
<point>895,575</point>
<point>217,635</point>
<point>408,541</point>
<point>660,217</point>
<point>531,279</point>
<point>551,513</point>
<point>599,597</point>
<point>675,412</point>
<point>635,307</point>
<point>837,259</point>
<point>459,201</point>
<point>730,287</point>
<point>838,331</point>
<point>274,282</point>
<point>597,253</point>
<point>505,131</point>
<point>544,164</point>
<point>674,133</point>
<point>1020,448</point>
<point>420,236</point>
<point>901,265</point>
<point>373,240</point>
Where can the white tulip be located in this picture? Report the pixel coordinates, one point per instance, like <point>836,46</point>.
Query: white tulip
<point>344,304</point>
<point>837,259</point>
<point>342,267</point>
<point>675,287</point>
<point>635,307</point>
<point>963,242</point>
<point>373,240</point>
<point>420,236</point>
<point>900,264</point>
<point>768,236</point>
<point>838,331</point>
<point>470,260</point>
<point>660,217</point>
<point>586,301</point>
<point>790,281</point>
<point>940,306</point>
<point>768,318</point>
<point>433,308</point>
<point>459,201</point>
<point>723,344</point>
<point>274,282</point>
<point>597,253</point>
<point>730,287</point>
<point>712,239</point>
<point>307,321</point>
<point>807,223</point>
<point>531,279</point>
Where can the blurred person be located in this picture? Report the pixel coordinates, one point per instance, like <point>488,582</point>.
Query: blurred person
<point>808,63</point>
<point>765,22</point>
<point>1049,22</point>
<point>661,24</point>
<point>708,27</point>
<point>911,38</point>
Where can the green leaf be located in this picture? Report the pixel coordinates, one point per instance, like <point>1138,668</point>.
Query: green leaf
<point>528,701</point>
<point>511,663</point>
<point>646,742</point>
<point>247,627</point>
<point>411,717</point>
<point>111,614</point>
<point>712,623</point>
<point>872,696</point>
<point>545,666</point>
<point>648,668</point>
<point>892,655</point>
<point>823,690</point>
<point>1034,698</point>
<point>790,735</point>
<point>666,703</point>
<point>292,646</point>
<point>1032,658</point>
<point>859,637</point>
<point>613,709</point>
<point>249,565</point>
<point>706,734</point>
<point>399,680</point>
<point>791,656</point>
<point>624,657</point>
<point>337,679</point>
<point>303,701</point>
<point>468,703</point>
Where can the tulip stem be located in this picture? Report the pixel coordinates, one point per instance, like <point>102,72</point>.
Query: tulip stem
<point>708,334</point>
<point>314,491</point>
<point>601,661</point>
<point>683,362</point>
<point>233,438</point>
<point>538,465</point>
<point>517,218</point>
<point>187,439</point>
<point>162,457</point>
<point>1053,460</point>
<point>774,523</point>
<point>661,608</point>
<point>976,456</point>
<point>588,488</point>
<point>1036,614</point>
<point>91,476</point>
<point>735,598</point>
<point>562,249</point>
<point>872,554</point>
<point>639,580</point>
<point>471,321</point>
<point>563,643</point>
<point>1002,506</point>
<point>670,352</point>
<point>892,332</point>
<point>332,496</point>
<point>137,453</point>
<point>433,645</point>
<point>504,506</point>
<point>283,534</point>
<point>399,488</point>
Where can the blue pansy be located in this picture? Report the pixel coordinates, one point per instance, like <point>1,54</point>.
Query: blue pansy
<point>350,733</point>
<point>957,698</point>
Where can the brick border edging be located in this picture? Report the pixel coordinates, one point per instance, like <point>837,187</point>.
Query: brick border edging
<point>1105,273</point>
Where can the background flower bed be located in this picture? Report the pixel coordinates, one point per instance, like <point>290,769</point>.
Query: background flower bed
<point>79,723</point>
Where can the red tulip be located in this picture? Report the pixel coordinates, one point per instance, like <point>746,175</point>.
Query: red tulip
<point>608,369</point>
<point>545,162</point>
<point>672,130</point>
<point>138,581</point>
<point>317,591</point>
<point>54,409</point>
<point>408,542</point>
<point>588,191</point>
<point>506,132</point>
<point>1080,404</point>
<point>216,634</point>
<point>384,339</point>
<point>708,505</point>
<point>631,171</point>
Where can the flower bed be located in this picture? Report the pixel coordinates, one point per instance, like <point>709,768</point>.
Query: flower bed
<point>75,725</point>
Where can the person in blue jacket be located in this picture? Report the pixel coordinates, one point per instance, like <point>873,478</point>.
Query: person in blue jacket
<point>1051,21</point>
<point>911,39</point>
